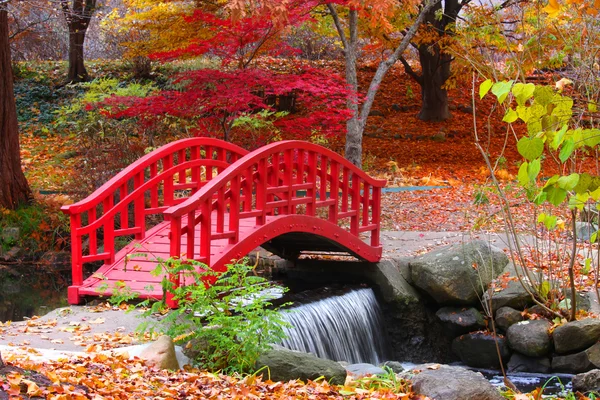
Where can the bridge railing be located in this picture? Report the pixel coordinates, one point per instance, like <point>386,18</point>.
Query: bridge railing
<point>283,178</point>
<point>155,182</point>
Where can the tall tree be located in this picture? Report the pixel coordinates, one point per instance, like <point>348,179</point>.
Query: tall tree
<point>14,189</point>
<point>435,62</point>
<point>78,15</point>
<point>356,124</point>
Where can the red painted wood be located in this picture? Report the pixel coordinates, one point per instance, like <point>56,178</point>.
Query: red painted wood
<point>236,201</point>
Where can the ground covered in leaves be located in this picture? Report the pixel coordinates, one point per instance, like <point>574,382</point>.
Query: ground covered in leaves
<point>101,376</point>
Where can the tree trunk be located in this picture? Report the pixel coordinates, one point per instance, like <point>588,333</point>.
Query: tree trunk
<point>77,71</point>
<point>435,72</point>
<point>78,15</point>
<point>14,189</point>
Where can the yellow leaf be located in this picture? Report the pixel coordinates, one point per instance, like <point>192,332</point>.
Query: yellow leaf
<point>552,9</point>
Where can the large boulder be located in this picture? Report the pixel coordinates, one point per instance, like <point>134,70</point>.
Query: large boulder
<point>161,354</point>
<point>460,320</point>
<point>506,317</point>
<point>576,335</point>
<point>579,362</point>
<point>587,382</point>
<point>444,382</point>
<point>520,363</point>
<point>584,230</point>
<point>284,365</point>
<point>479,350</point>
<point>531,338</point>
<point>459,273</point>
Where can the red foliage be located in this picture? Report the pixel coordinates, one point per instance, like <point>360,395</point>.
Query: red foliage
<point>214,99</point>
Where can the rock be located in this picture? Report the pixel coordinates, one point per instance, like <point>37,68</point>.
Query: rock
<point>576,335</point>
<point>579,362</point>
<point>390,282</point>
<point>460,320</point>
<point>10,235</point>
<point>444,382</point>
<point>584,230</point>
<point>452,107</point>
<point>284,365</point>
<point>531,338</point>
<point>583,302</point>
<point>507,316</point>
<point>539,310</point>
<point>161,354</point>
<point>363,369</point>
<point>478,350</point>
<point>396,107</point>
<point>520,363</point>
<point>439,137</point>
<point>459,273</point>
<point>514,295</point>
<point>587,382</point>
<point>394,366</point>
<point>376,113</point>
<point>466,109</point>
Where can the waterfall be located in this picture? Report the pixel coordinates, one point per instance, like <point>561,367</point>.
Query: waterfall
<point>341,328</point>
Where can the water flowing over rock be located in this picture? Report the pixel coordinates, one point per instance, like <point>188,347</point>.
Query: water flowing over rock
<point>341,328</point>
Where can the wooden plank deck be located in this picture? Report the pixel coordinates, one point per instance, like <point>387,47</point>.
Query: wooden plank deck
<point>135,262</point>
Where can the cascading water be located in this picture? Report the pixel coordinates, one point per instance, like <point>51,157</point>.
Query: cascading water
<point>341,328</point>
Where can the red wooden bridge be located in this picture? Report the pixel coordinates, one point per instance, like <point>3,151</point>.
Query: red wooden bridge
<point>211,201</point>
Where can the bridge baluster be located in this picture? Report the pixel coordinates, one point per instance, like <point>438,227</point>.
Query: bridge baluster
<point>345,185</point>
<point>109,228</point>
<point>234,208</point>
<point>333,194</point>
<point>311,208</point>
<point>139,206</point>
<point>261,192</point>
<point>376,216</point>
<point>168,194</point>
<point>92,235</point>
<point>205,231</point>
<point>365,204</point>
<point>354,219</point>
<point>154,188</point>
<point>190,234</point>
<point>196,171</point>
<point>288,180</point>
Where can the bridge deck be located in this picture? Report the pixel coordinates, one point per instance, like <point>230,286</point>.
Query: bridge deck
<point>135,262</point>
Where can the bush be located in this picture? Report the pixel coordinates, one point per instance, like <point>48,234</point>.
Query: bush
<point>228,323</point>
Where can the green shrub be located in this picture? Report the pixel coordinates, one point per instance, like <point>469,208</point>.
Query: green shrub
<point>229,323</point>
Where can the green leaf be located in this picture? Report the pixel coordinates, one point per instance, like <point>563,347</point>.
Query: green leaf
<point>568,182</point>
<point>566,150</point>
<point>523,175</point>
<point>578,201</point>
<point>591,137</point>
<point>555,195</point>
<point>594,237</point>
<point>558,137</point>
<point>485,87</point>
<point>510,116</point>
<point>584,183</point>
<point>530,148</point>
<point>540,198</point>
<point>544,289</point>
<point>501,90</point>
<point>592,106</point>
<point>523,92</point>
<point>550,222</point>
<point>543,95</point>
<point>534,169</point>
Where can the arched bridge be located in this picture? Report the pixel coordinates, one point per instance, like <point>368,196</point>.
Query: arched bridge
<point>214,202</point>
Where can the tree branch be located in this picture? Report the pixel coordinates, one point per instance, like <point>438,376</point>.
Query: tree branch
<point>411,72</point>
<point>391,60</point>
<point>338,25</point>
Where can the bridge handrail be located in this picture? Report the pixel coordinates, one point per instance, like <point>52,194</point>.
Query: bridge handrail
<point>131,184</point>
<point>251,158</point>
<point>129,172</point>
